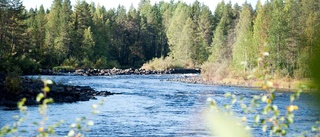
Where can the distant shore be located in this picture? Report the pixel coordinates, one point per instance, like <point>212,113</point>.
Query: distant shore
<point>279,85</point>
<point>115,71</point>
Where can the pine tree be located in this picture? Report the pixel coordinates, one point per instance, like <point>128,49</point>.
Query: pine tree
<point>204,34</point>
<point>64,37</point>
<point>101,34</point>
<point>174,32</point>
<point>309,20</point>
<point>55,51</point>
<point>14,41</point>
<point>260,31</point>
<point>134,39</point>
<point>220,52</point>
<point>292,13</point>
<point>87,44</point>
<point>244,52</point>
<point>277,34</point>
<point>41,33</point>
<point>81,20</point>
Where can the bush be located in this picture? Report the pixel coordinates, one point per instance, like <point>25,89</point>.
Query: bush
<point>71,62</point>
<point>86,63</point>
<point>63,68</point>
<point>101,63</point>
<point>13,80</point>
<point>162,64</point>
<point>215,71</point>
<point>113,64</point>
<point>28,65</point>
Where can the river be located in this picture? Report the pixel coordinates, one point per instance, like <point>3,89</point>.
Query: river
<point>150,105</point>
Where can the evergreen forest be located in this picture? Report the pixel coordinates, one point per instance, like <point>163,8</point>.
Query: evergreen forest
<point>277,37</point>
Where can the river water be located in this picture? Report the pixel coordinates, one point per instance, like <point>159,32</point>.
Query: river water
<point>150,105</point>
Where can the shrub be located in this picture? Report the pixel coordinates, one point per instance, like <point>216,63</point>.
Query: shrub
<point>101,63</point>
<point>28,65</point>
<point>215,71</point>
<point>162,64</point>
<point>13,80</point>
<point>86,63</point>
<point>63,68</point>
<point>71,62</point>
<point>113,64</point>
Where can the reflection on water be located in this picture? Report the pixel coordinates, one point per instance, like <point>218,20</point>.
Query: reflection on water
<point>150,106</point>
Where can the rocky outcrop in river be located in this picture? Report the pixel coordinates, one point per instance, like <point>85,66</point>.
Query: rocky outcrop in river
<point>30,88</point>
<point>130,71</point>
<point>114,71</point>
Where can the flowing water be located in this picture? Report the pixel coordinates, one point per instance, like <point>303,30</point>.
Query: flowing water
<point>152,106</point>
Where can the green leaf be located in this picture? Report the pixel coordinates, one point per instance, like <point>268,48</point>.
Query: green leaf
<point>40,96</point>
<point>234,101</point>
<point>21,103</point>
<point>290,120</point>
<point>46,89</point>
<point>257,118</point>
<point>243,106</point>
<point>227,95</point>
<point>90,123</point>
<point>94,106</point>
<point>71,133</point>
<point>48,81</point>
<point>277,112</point>
<point>292,98</point>
<point>48,101</point>
<point>264,128</point>
<point>264,98</point>
<point>274,107</point>
<point>95,111</point>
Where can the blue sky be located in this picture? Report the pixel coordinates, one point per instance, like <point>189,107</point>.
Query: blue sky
<point>127,3</point>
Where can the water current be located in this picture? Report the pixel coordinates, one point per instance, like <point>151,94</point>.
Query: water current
<point>150,105</point>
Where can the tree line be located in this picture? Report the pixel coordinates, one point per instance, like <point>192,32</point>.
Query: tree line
<point>278,36</point>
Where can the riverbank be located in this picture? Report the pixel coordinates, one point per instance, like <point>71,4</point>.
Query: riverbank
<point>30,88</point>
<point>280,85</point>
<point>115,71</point>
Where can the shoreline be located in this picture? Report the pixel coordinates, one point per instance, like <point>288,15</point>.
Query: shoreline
<point>115,71</point>
<point>280,86</point>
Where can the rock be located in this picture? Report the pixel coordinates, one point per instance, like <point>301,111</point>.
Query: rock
<point>130,71</point>
<point>59,93</point>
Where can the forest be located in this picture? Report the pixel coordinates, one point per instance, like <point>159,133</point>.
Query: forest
<point>277,37</point>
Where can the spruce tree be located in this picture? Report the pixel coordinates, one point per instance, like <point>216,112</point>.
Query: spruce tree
<point>244,52</point>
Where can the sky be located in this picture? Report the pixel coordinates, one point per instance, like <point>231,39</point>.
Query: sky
<point>127,3</point>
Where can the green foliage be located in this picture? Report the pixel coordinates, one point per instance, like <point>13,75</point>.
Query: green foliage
<point>189,34</point>
<point>63,68</point>
<point>13,80</point>
<point>161,64</point>
<point>71,62</point>
<point>244,52</point>
<point>101,63</point>
<point>28,65</point>
<point>86,63</point>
